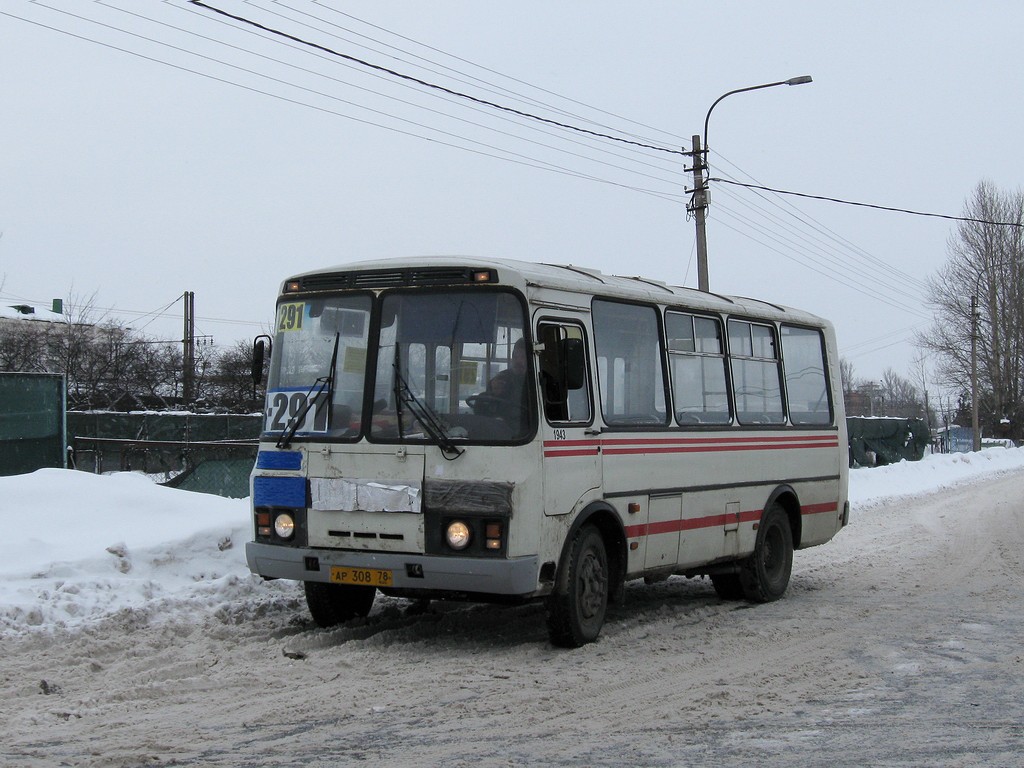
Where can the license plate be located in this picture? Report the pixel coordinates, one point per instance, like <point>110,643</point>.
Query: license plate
<point>364,577</point>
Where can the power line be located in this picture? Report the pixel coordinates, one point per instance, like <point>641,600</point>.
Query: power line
<point>489,87</point>
<point>824,263</point>
<point>530,162</point>
<point>825,232</point>
<point>872,343</point>
<point>427,84</point>
<point>528,115</point>
<point>491,71</point>
<point>401,101</point>
<point>796,255</point>
<point>870,205</point>
<point>513,157</point>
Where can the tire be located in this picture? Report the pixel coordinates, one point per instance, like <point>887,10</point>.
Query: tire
<point>728,586</point>
<point>765,574</point>
<point>332,604</point>
<point>577,608</point>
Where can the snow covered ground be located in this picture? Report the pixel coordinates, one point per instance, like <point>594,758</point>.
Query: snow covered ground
<point>133,634</point>
<point>83,546</point>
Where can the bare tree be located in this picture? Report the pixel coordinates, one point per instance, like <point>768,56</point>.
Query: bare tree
<point>20,345</point>
<point>847,375</point>
<point>919,376</point>
<point>232,379</point>
<point>979,295</point>
<point>899,396</point>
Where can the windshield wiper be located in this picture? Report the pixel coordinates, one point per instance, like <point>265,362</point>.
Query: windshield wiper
<point>324,384</point>
<point>425,415</point>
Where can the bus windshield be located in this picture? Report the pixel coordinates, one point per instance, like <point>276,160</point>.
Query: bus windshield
<point>450,367</point>
<point>306,394</point>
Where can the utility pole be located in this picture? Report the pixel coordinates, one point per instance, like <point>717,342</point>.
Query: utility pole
<point>699,206</point>
<point>976,446</point>
<point>189,342</point>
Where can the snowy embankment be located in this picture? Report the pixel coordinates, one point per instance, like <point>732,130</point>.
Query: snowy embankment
<point>79,547</point>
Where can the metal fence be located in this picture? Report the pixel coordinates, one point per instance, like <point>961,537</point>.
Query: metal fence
<point>210,453</point>
<point>164,425</point>
<point>32,425</point>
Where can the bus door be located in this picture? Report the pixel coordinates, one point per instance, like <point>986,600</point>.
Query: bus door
<point>572,447</point>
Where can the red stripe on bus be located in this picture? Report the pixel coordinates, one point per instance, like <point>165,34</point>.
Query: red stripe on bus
<point>830,438</point>
<point>817,509</point>
<point>624,451</point>
<point>580,452</point>
<point>685,524</point>
<point>714,521</point>
<point>636,447</point>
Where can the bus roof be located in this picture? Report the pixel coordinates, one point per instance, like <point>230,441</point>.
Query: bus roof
<point>577,279</point>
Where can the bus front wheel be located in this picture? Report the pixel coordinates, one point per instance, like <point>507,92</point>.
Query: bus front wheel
<point>765,574</point>
<point>576,609</point>
<point>331,604</point>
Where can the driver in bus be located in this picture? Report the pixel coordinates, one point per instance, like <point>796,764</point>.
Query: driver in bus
<point>508,388</point>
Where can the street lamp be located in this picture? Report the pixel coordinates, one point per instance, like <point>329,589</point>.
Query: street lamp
<point>700,204</point>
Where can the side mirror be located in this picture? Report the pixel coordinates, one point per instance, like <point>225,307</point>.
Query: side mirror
<point>574,363</point>
<point>259,351</point>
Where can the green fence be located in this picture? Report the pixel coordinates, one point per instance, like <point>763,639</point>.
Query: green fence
<point>209,453</point>
<point>182,427</point>
<point>32,431</point>
<point>875,442</point>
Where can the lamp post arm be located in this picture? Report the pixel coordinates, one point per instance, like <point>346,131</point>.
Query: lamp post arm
<point>792,81</point>
<point>700,202</point>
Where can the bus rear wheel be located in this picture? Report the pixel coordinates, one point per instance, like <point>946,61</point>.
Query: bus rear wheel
<point>765,574</point>
<point>577,608</point>
<point>332,604</point>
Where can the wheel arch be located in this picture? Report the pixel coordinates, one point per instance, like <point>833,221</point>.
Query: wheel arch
<point>786,497</point>
<point>602,516</point>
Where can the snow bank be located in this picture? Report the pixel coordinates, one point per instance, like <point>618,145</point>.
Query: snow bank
<point>78,547</point>
<point>871,486</point>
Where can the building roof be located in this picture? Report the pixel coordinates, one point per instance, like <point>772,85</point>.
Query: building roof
<point>13,311</point>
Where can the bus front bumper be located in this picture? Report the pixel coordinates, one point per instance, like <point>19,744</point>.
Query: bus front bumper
<point>515,576</point>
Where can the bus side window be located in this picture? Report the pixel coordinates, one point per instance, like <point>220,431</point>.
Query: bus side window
<point>563,401</point>
<point>630,368</point>
<point>697,364</point>
<point>756,380</point>
<point>803,357</point>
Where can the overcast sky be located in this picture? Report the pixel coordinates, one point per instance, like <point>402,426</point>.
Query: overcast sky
<point>150,147</point>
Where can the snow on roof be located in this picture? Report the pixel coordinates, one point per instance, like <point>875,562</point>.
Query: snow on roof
<point>11,310</point>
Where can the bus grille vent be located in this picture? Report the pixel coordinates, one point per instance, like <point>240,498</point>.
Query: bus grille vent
<point>366,535</point>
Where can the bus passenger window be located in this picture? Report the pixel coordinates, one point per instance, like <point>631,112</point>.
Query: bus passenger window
<point>629,364</point>
<point>697,364</point>
<point>756,383</point>
<point>803,357</point>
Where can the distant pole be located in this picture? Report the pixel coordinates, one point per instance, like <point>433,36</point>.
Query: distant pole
<point>974,374</point>
<point>699,206</point>
<point>189,343</point>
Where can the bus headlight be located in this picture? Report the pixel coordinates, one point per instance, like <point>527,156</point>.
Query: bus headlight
<point>457,535</point>
<point>284,525</point>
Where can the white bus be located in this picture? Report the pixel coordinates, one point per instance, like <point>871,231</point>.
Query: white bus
<point>493,430</point>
